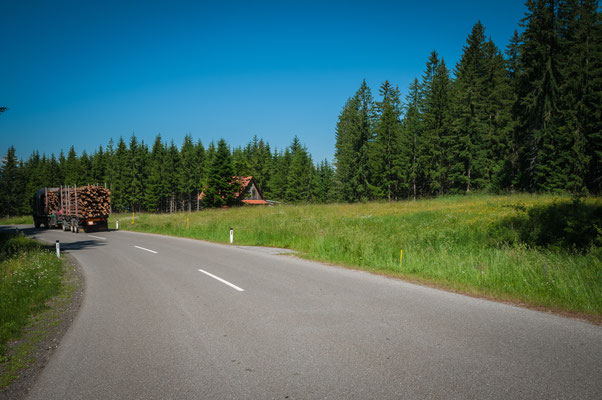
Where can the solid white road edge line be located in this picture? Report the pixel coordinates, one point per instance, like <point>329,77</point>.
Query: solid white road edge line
<point>222,281</point>
<point>142,248</point>
<point>97,237</point>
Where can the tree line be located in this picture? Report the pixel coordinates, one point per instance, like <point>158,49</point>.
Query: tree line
<point>166,178</point>
<point>528,119</point>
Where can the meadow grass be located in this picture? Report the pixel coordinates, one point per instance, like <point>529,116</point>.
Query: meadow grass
<point>463,243</point>
<point>29,275</point>
<point>18,220</point>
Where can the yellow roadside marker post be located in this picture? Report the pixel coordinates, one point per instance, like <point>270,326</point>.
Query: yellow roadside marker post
<point>400,256</point>
<point>133,218</point>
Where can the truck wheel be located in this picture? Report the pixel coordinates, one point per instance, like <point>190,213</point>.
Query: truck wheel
<point>76,228</point>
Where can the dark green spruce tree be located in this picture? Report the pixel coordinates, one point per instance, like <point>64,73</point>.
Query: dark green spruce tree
<point>71,168</point>
<point>221,189</point>
<point>323,186</point>
<point>354,135</point>
<point>435,133</point>
<point>411,137</point>
<point>481,114</point>
<point>12,185</point>
<point>540,164</point>
<point>300,172</point>
<point>136,174</point>
<point>386,163</point>
<point>153,192</point>
<point>579,118</point>
<point>85,170</point>
<point>189,177</point>
<point>121,178</point>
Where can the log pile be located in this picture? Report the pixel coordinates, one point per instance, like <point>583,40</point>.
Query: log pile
<point>92,201</point>
<point>54,201</point>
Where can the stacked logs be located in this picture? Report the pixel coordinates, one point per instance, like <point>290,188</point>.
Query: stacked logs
<point>54,201</point>
<point>92,201</point>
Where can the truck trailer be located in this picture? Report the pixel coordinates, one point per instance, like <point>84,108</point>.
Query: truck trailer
<point>72,208</point>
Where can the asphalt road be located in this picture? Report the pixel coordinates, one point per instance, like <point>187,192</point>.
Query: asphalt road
<point>169,318</point>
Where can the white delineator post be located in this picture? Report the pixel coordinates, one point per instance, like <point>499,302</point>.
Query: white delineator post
<point>231,235</point>
<point>117,225</point>
<point>58,249</point>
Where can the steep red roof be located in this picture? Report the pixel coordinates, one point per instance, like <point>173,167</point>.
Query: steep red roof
<point>244,182</point>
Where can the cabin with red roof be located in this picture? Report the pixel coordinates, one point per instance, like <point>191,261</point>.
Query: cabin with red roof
<point>249,191</point>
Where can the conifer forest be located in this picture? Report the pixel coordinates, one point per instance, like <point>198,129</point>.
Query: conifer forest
<point>526,117</point>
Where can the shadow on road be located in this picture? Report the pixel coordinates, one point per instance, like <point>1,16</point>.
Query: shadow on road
<point>81,245</point>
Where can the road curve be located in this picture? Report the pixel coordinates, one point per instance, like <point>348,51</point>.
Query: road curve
<point>162,318</point>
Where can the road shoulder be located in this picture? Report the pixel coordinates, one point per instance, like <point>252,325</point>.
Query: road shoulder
<point>41,337</point>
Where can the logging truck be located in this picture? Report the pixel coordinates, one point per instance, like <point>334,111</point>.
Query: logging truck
<point>72,208</point>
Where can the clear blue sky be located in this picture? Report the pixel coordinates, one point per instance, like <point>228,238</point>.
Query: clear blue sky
<point>80,72</point>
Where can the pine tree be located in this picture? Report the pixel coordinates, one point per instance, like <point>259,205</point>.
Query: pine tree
<point>259,160</point>
<point>580,72</point>
<point>62,161</point>
<point>110,169</point>
<point>153,193</point>
<point>539,96</point>
<point>299,178</point>
<point>51,173</point>
<point>386,164</point>
<point>99,167</point>
<point>278,184</point>
<point>120,199</point>
<point>435,140</point>
<point>33,180</point>
<point>240,162</point>
<point>482,115</point>
<point>188,179</point>
<point>170,170</point>
<point>469,170</point>
<point>72,168</point>
<point>136,158</point>
<point>221,190</point>
<point>507,175</point>
<point>354,134</point>
<point>498,101</point>
<point>12,186</point>
<point>85,169</point>
<point>323,183</point>
<point>200,172</point>
<point>411,138</point>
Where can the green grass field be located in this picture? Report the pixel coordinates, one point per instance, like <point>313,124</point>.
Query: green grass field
<point>20,220</point>
<point>30,274</point>
<point>480,244</point>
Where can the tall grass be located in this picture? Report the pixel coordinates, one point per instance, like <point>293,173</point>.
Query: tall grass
<point>18,220</point>
<point>466,243</point>
<point>29,275</point>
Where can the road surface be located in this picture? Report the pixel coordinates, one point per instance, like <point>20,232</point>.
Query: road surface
<point>171,318</point>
